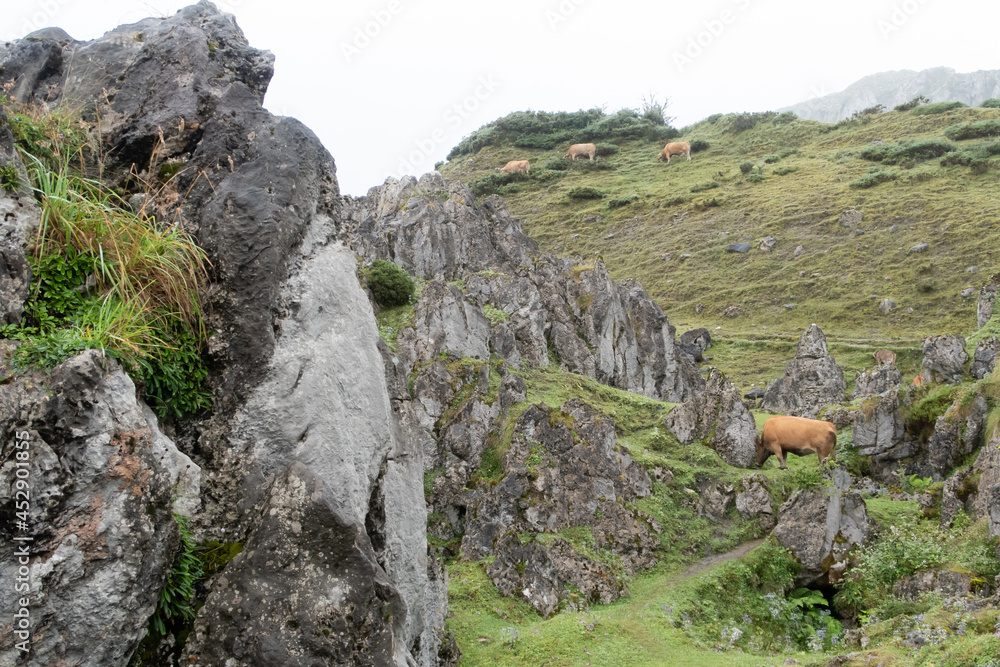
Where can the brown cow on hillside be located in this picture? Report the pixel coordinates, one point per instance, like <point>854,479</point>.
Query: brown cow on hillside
<point>918,381</point>
<point>676,148</point>
<point>795,435</point>
<point>884,357</point>
<point>516,165</point>
<point>581,149</point>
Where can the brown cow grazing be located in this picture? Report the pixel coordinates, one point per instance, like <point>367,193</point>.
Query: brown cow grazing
<point>795,435</point>
<point>918,381</point>
<point>581,149</point>
<point>675,148</point>
<point>516,165</point>
<point>884,357</point>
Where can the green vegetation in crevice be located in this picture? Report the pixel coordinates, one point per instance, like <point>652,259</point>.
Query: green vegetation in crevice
<point>105,277</point>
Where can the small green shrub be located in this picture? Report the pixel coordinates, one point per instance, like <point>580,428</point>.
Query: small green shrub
<point>973,130</point>
<point>905,549</point>
<point>390,284</point>
<point>874,176</point>
<point>936,108</point>
<point>494,183</point>
<point>992,103</point>
<point>744,121</point>
<point>699,145</point>
<point>623,200</point>
<point>755,177</point>
<point>912,104</point>
<point>701,187</point>
<point>976,157</point>
<point>782,171</point>
<point>746,167</point>
<point>603,150</point>
<point>558,164</point>
<point>906,150</point>
<point>873,110</point>
<point>785,117</point>
<point>10,180</point>
<point>771,158</point>
<point>583,192</point>
<point>176,598</point>
<point>494,314</point>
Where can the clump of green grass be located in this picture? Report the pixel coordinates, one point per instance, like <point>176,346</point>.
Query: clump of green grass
<point>912,104</point>
<point>936,108</point>
<point>992,103</point>
<point>873,177</point>
<point>973,130</point>
<point>495,183</point>
<point>906,151</point>
<point>108,278</point>
<point>784,171</point>
<point>583,192</point>
<point>622,200</point>
<point>701,187</point>
<point>10,179</point>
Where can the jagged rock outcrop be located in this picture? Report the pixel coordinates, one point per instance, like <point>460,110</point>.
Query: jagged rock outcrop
<point>717,412</point>
<point>20,215</point>
<point>957,433</point>
<point>943,582</point>
<point>985,358</point>
<point>878,426</point>
<point>563,470</point>
<point>986,302</point>
<point>987,499</point>
<point>821,527</point>
<point>754,501</point>
<point>612,332</point>
<point>812,380</point>
<point>944,358</point>
<point>101,478</point>
<point>877,380</point>
<point>307,589</point>
<point>297,373</point>
<point>957,493</point>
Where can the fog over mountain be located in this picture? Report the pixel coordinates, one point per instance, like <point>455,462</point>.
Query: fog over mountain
<point>940,84</point>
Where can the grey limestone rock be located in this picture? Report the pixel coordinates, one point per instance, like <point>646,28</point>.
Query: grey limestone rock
<point>987,299</point>
<point>943,582</point>
<point>985,357</point>
<point>812,380</point>
<point>101,480</point>
<point>754,501</point>
<point>878,425</point>
<point>20,215</point>
<point>877,381</point>
<point>719,412</point>
<point>821,527</point>
<point>306,589</point>
<point>944,358</point>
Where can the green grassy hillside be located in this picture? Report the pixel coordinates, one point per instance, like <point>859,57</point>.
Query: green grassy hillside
<point>797,178</point>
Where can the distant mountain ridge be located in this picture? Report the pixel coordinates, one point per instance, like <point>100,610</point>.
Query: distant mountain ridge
<point>940,84</point>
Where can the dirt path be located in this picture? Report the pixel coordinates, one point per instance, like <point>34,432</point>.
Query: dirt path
<point>717,559</point>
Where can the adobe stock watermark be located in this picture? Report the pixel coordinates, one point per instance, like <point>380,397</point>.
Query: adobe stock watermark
<point>21,489</point>
<point>712,30</point>
<point>899,16</point>
<point>42,15</point>
<point>560,13</point>
<point>455,116</point>
<point>363,34</point>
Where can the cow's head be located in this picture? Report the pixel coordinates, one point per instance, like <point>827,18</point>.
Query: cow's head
<point>763,453</point>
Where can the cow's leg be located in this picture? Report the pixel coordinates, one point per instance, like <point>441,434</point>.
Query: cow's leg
<point>781,459</point>
<point>689,157</point>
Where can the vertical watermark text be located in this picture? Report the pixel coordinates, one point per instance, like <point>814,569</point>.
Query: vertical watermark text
<point>21,490</point>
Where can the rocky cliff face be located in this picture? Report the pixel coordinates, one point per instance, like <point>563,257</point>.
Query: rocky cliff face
<point>315,452</point>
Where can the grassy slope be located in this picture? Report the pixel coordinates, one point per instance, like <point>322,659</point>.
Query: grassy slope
<point>839,279</point>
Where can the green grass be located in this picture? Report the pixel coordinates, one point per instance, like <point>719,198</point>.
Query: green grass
<point>840,278</point>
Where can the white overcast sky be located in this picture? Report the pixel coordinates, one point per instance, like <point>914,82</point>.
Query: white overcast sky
<point>391,85</point>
